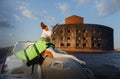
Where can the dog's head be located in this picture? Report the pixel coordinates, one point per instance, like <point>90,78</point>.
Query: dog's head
<point>47,31</point>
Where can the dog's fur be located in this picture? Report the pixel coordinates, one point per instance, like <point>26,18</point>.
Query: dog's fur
<point>47,33</point>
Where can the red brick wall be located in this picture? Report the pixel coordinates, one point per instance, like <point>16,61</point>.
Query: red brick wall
<point>74,20</point>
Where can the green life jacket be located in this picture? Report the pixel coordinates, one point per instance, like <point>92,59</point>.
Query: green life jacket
<point>34,50</point>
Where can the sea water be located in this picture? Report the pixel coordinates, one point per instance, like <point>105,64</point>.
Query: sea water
<point>104,65</point>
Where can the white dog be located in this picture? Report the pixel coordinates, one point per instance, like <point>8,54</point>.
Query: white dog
<point>47,34</point>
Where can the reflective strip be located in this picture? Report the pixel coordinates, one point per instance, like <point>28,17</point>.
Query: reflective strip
<point>35,47</point>
<point>26,54</point>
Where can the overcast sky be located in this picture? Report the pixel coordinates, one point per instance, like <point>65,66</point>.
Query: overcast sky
<point>20,19</point>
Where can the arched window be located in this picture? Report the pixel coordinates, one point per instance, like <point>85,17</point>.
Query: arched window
<point>68,44</point>
<point>62,44</point>
<point>68,38</point>
<point>68,31</point>
<point>84,45</point>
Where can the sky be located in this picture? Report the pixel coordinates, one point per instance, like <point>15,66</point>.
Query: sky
<point>20,19</point>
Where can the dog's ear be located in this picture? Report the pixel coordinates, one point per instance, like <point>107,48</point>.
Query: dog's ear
<point>43,26</point>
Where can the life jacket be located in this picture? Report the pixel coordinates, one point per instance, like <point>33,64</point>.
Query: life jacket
<point>34,50</point>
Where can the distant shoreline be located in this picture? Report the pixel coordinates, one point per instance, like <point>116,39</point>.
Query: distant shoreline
<point>5,51</point>
<point>6,47</point>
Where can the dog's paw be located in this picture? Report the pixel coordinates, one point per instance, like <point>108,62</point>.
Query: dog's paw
<point>82,62</point>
